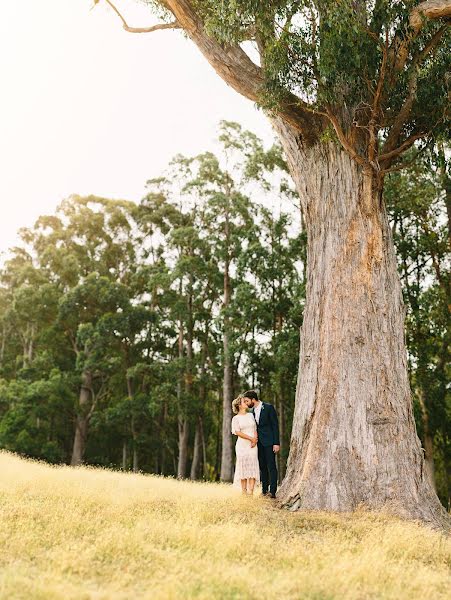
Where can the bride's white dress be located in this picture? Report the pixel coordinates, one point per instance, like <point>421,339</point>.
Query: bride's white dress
<point>246,466</point>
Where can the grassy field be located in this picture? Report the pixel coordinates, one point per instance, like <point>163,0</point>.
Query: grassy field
<point>93,534</point>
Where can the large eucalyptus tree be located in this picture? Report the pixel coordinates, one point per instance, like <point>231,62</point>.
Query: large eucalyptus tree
<point>349,86</point>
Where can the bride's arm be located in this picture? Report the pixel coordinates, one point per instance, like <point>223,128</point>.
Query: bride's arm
<point>253,440</point>
<point>244,436</point>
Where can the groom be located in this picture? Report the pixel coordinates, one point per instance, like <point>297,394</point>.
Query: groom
<point>268,441</point>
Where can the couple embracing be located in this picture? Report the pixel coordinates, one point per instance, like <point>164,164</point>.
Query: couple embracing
<point>257,427</point>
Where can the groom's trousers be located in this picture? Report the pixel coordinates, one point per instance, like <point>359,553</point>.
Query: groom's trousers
<point>268,468</point>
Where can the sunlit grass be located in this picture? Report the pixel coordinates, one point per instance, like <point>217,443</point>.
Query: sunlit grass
<point>89,533</point>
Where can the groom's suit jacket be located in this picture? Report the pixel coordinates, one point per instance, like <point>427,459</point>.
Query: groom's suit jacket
<point>268,426</point>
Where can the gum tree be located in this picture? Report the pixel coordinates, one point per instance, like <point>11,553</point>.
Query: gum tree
<point>349,87</point>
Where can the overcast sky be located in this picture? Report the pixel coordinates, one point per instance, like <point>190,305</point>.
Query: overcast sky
<point>86,107</point>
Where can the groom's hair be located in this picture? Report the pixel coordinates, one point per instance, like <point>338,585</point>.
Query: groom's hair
<point>252,394</point>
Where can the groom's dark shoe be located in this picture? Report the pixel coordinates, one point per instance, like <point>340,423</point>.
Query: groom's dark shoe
<point>273,496</point>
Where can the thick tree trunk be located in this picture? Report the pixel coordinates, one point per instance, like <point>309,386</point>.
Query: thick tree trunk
<point>354,440</point>
<point>82,421</point>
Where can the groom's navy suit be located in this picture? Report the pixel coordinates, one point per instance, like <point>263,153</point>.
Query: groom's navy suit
<point>268,436</point>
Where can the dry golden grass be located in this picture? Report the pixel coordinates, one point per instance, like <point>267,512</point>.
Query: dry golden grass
<point>94,534</point>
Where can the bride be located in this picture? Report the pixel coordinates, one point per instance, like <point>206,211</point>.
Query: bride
<point>243,425</point>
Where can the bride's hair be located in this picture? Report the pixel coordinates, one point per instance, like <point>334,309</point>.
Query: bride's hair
<point>236,404</point>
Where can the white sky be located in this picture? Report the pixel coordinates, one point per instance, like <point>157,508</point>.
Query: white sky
<point>88,108</point>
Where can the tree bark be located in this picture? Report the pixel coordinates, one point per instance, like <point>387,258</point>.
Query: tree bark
<point>82,421</point>
<point>353,440</point>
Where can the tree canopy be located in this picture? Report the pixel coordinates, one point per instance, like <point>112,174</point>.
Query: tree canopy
<point>373,75</point>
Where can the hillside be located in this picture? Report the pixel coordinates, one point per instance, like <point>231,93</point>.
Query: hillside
<point>94,534</point>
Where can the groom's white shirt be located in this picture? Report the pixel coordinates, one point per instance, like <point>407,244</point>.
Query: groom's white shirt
<point>257,411</point>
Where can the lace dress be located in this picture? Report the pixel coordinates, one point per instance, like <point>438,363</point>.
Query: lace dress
<point>246,466</point>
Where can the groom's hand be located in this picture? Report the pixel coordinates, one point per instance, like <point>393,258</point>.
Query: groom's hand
<point>276,448</point>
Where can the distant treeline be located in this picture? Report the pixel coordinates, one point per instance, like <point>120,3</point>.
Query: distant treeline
<point>126,330</point>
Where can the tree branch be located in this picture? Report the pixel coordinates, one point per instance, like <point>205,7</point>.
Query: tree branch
<point>234,66</point>
<point>400,149</point>
<point>158,26</point>
<point>402,116</point>
<point>431,9</point>
<point>343,139</point>
<point>403,165</point>
<point>373,126</point>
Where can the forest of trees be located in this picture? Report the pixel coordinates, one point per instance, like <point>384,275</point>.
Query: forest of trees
<point>127,329</point>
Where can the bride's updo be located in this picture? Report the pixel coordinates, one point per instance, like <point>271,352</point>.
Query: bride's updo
<point>236,404</point>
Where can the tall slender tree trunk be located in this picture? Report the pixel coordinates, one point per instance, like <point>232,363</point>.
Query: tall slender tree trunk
<point>28,345</point>
<point>353,440</point>
<point>135,445</point>
<point>82,420</point>
<point>124,455</point>
<point>182,463</point>
<point>3,344</point>
<point>163,419</point>
<point>183,425</point>
<point>220,401</point>
<point>197,453</point>
<point>227,397</point>
<point>198,435</point>
<point>134,430</point>
<point>31,344</point>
